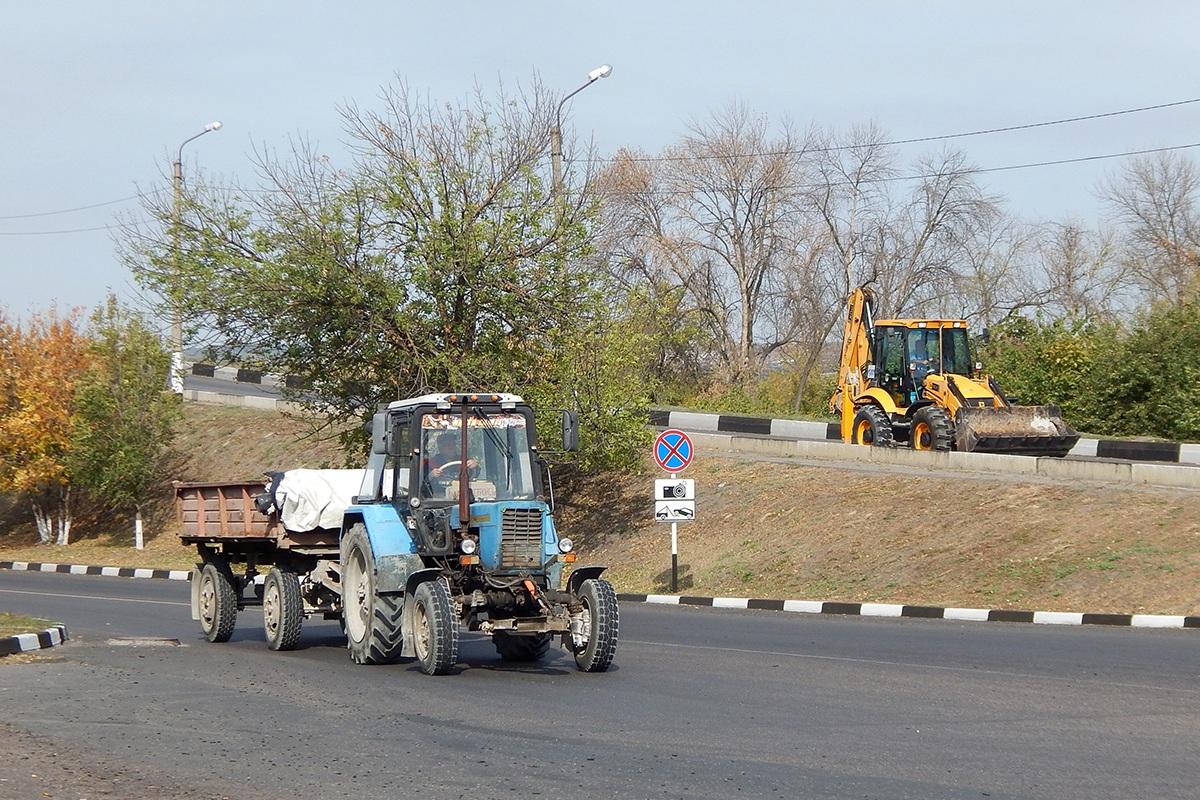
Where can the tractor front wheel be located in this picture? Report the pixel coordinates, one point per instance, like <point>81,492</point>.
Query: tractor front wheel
<point>932,429</point>
<point>435,630</point>
<point>594,629</point>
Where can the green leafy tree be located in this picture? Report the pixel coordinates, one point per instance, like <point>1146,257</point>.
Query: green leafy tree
<point>437,260</point>
<point>1150,384</point>
<point>124,416</point>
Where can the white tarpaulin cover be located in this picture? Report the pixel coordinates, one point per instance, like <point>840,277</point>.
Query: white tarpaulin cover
<point>316,498</point>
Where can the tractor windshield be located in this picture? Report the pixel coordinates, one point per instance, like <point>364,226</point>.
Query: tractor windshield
<point>937,350</point>
<point>956,354</point>
<point>498,459</point>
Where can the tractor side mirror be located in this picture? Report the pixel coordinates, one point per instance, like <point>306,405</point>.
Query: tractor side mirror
<point>570,431</point>
<point>377,427</point>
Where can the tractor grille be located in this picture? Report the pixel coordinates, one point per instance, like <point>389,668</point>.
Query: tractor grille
<point>521,538</point>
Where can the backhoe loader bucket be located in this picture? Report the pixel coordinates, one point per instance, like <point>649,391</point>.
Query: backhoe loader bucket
<point>1016,430</point>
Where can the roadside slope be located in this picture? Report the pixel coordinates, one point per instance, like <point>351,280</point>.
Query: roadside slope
<point>790,530</point>
<point>781,529</point>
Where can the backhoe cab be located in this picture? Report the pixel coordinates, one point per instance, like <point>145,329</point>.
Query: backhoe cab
<point>912,382</point>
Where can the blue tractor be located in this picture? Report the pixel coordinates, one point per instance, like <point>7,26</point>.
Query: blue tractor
<point>453,528</point>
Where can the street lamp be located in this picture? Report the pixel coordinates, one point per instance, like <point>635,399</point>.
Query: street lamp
<point>556,144</point>
<point>177,300</point>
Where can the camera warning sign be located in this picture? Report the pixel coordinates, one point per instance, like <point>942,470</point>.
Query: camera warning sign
<point>674,500</point>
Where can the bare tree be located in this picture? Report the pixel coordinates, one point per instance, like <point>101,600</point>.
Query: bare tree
<point>714,215</point>
<point>1156,200</point>
<point>1082,275</point>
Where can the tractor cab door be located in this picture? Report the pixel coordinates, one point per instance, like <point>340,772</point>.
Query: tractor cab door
<point>891,364</point>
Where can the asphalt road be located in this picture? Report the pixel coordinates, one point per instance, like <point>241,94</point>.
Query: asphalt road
<point>699,703</point>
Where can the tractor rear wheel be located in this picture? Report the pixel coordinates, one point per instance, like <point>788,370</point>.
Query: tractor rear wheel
<point>932,429</point>
<point>372,620</point>
<point>872,427</point>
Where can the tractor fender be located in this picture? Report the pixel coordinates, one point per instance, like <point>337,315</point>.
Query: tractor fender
<point>581,574</point>
<point>391,545</point>
<point>415,579</point>
<point>880,397</point>
<point>387,532</point>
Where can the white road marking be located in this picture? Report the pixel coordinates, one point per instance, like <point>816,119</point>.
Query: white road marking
<point>94,597</point>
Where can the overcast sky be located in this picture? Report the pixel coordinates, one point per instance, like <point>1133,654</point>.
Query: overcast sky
<point>96,97</point>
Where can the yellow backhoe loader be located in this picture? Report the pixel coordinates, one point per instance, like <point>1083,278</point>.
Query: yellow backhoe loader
<point>911,382</point>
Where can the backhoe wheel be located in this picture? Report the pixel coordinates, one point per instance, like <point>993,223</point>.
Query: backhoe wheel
<point>594,630</point>
<point>218,601</point>
<point>932,429</point>
<point>521,648</point>
<point>372,620</point>
<point>283,608</point>
<point>435,630</point>
<point>872,426</point>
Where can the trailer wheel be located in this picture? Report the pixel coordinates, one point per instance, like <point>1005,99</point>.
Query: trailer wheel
<point>521,648</point>
<point>932,429</point>
<point>218,602</point>
<point>872,426</point>
<point>594,630</point>
<point>283,608</point>
<point>435,630</point>
<point>372,620</point>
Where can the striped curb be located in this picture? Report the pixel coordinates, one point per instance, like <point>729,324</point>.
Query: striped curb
<point>753,604</point>
<point>703,422</point>
<point>108,572</point>
<point>919,612</point>
<point>25,642</point>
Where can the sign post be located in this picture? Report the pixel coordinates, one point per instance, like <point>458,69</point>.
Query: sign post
<point>675,498</point>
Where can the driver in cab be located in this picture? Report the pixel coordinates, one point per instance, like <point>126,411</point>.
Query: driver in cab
<point>444,464</point>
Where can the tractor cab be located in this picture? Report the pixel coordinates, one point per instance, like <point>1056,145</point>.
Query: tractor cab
<point>906,351</point>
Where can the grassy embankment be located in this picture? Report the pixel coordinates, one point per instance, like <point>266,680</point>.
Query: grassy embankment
<point>784,530</point>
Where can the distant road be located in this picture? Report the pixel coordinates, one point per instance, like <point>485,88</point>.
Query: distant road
<point>701,703</point>
<point>225,386</point>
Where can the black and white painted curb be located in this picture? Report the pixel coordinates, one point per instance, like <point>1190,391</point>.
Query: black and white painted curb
<point>108,572</point>
<point>25,642</point>
<point>753,604</point>
<point>920,612</point>
<point>705,422</point>
<point>701,422</point>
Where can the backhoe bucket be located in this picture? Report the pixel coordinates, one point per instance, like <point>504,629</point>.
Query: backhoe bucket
<point>1016,430</point>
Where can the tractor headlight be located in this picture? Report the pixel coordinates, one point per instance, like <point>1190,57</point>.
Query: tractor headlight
<point>565,545</point>
<point>467,546</point>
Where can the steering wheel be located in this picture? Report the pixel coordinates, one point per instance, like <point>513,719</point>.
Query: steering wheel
<point>457,467</point>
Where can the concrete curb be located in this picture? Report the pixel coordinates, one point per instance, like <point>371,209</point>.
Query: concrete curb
<point>707,422</point>
<point>795,606</point>
<point>26,642</point>
<point>920,612</point>
<point>108,572</point>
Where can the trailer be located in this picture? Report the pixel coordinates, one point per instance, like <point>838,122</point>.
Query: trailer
<point>448,527</point>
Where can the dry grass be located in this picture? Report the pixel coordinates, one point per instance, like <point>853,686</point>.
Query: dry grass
<point>787,530</point>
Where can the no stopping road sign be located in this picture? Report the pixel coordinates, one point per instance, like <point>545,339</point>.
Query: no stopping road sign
<point>673,450</point>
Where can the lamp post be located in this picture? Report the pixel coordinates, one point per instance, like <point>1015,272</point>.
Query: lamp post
<point>177,300</point>
<point>556,144</point>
